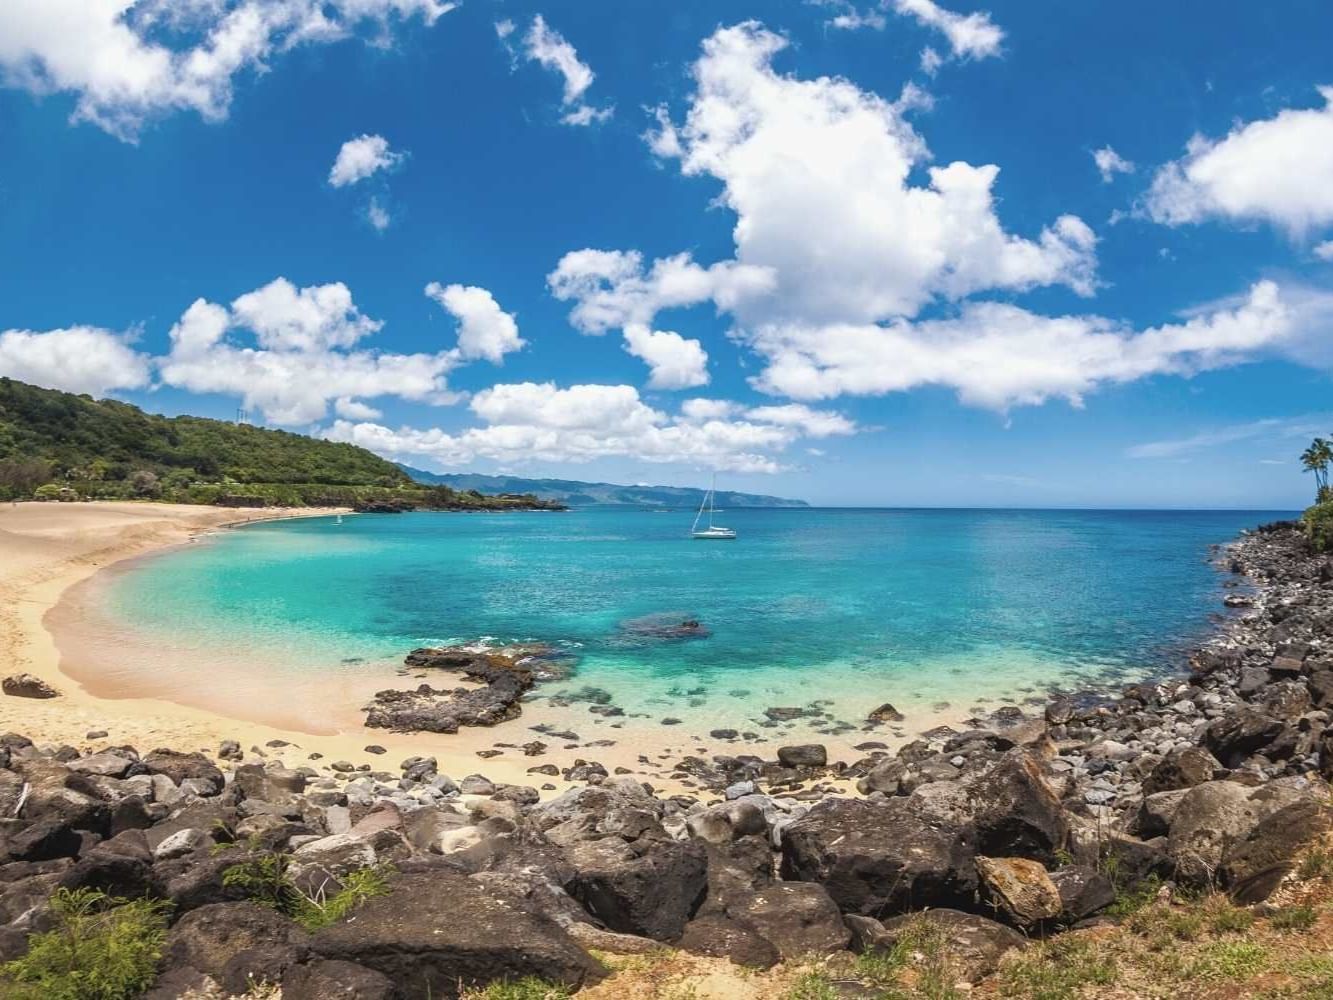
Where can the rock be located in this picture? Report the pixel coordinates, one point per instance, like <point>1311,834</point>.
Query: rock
<point>1059,712</point>
<point>43,840</point>
<point>504,677</point>
<point>804,755</point>
<point>181,843</point>
<point>974,944</point>
<point>1253,867</point>
<point>1240,733</point>
<point>1015,811</point>
<point>334,980</point>
<point>726,822</point>
<point>719,936</point>
<point>338,854</point>
<point>886,776</point>
<point>230,750</point>
<point>880,857</point>
<point>1181,768</point>
<point>797,918</point>
<point>1156,812</point>
<point>180,767</point>
<point>1209,818</point>
<point>217,939</point>
<point>646,887</point>
<point>785,714</point>
<point>886,713</point>
<point>27,686</point>
<point>723,734</point>
<point>1083,892</point>
<point>437,933</point>
<point>1020,889</point>
<point>106,765</point>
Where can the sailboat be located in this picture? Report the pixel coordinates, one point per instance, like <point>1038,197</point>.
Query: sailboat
<point>712,532</point>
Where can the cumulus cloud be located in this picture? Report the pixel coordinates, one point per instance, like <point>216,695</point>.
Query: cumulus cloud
<point>1109,163</point>
<point>579,423</point>
<point>674,361</point>
<point>998,355</point>
<point>377,215</point>
<point>362,157</point>
<point>83,359</point>
<point>818,174</point>
<point>127,64</point>
<point>484,329</point>
<point>354,409</point>
<point>970,36</point>
<point>546,46</point>
<point>1276,170</point>
<point>306,354</point>
<point>1324,251</point>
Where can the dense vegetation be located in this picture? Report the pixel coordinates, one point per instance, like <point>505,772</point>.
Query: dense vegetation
<point>1319,519</point>
<point>59,446</point>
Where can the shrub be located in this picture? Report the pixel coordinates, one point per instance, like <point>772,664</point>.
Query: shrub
<point>529,988</point>
<point>1294,918</point>
<point>102,948</point>
<point>265,881</point>
<point>1319,526</point>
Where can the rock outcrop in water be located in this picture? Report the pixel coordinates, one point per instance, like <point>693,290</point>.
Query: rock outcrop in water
<point>1011,828</point>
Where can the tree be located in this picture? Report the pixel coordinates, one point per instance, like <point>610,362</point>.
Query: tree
<point>1317,459</point>
<point>144,483</point>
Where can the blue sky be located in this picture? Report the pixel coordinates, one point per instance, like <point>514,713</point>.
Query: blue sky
<point>894,253</point>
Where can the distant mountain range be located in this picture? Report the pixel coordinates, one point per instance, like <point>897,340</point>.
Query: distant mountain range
<point>578,494</point>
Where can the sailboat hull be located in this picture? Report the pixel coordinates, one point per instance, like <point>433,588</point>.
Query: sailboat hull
<point>714,535</point>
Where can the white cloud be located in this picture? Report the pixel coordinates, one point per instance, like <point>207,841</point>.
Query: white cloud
<point>354,409</point>
<point>542,422</point>
<point>674,361</point>
<point>829,228</point>
<point>303,357</point>
<point>1270,429</point>
<point>83,359</point>
<point>362,157</point>
<point>504,28</point>
<point>1109,163</point>
<point>971,36</point>
<point>848,18</point>
<point>931,61</point>
<point>814,423</point>
<point>1324,251</point>
<point>1277,170</point>
<point>998,355</point>
<point>546,46</point>
<point>118,60</point>
<point>484,329</point>
<point>377,215</point>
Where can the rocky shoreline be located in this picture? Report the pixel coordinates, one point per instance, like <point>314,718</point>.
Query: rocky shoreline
<point>1012,830</point>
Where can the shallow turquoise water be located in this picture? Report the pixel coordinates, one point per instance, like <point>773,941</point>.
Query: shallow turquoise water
<point>858,606</point>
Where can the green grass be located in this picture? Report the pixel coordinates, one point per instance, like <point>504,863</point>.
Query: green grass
<point>1231,920</point>
<point>1130,900</point>
<point>1317,864</point>
<point>264,880</point>
<point>812,986</point>
<point>1294,918</point>
<point>529,988</point>
<point>1057,969</point>
<point>102,948</point>
<point>1230,960</point>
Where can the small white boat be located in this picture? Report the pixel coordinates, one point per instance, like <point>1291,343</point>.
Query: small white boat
<point>713,532</point>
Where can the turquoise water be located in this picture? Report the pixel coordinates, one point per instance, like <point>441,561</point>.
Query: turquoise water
<point>855,606</point>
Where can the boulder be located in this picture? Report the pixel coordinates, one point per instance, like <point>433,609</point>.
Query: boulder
<point>1253,867</point>
<point>1208,820</point>
<point>1184,767</point>
<point>803,755</point>
<point>1156,812</point>
<point>886,776</point>
<point>727,821</point>
<point>27,686</point>
<point>1240,733</point>
<point>180,767</point>
<point>646,887</point>
<point>797,918</point>
<point>719,936</point>
<point>1083,892</point>
<point>235,940</point>
<point>973,943</point>
<point>1015,810</point>
<point>1019,888</point>
<point>438,933</point>
<point>334,980</point>
<point>879,858</point>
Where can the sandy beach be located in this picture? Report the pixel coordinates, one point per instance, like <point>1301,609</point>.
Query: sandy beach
<point>49,553</point>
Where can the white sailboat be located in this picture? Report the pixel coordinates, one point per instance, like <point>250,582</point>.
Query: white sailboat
<point>712,532</point>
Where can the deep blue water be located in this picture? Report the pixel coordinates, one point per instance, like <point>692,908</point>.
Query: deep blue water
<point>858,606</point>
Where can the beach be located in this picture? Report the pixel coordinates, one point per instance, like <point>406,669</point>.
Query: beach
<point>51,554</point>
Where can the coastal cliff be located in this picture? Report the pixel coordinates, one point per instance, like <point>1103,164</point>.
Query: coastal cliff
<point>1163,840</point>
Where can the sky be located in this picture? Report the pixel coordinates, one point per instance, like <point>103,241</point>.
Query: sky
<point>865,253</point>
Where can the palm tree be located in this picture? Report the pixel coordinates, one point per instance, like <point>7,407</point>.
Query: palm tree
<point>1316,459</point>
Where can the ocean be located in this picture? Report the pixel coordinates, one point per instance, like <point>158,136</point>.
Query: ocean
<point>931,610</point>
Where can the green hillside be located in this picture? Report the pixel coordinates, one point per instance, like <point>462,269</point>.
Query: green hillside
<point>56,445</point>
